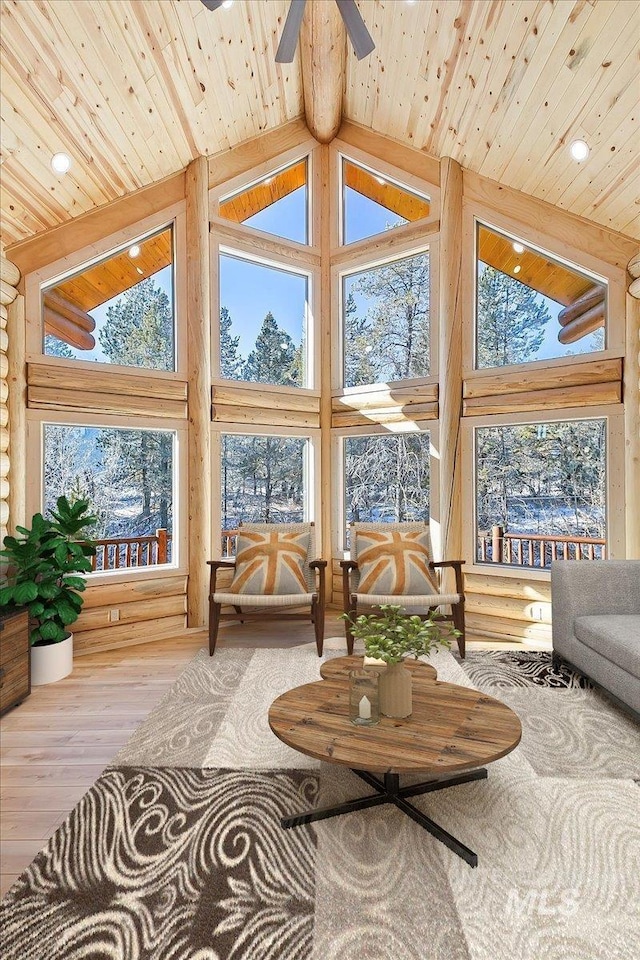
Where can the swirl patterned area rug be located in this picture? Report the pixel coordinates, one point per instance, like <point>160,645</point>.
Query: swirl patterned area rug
<point>176,852</point>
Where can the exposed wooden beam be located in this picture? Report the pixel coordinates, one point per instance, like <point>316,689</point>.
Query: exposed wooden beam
<point>323,54</point>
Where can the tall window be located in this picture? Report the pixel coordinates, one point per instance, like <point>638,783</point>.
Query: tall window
<point>277,204</point>
<point>120,310</point>
<point>263,479</point>
<point>386,478</point>
<point>541,492</point>
<point>529,306</point>
<point>385,322</point>
<point>372,203</point>
<point>128,477</point>
<point>264,323</point>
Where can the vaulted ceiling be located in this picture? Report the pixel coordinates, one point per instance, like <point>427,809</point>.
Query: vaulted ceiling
<point>133,90</point>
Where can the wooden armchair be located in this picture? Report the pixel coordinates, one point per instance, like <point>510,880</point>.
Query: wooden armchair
<point>354,596</point>
<point>266,605</point>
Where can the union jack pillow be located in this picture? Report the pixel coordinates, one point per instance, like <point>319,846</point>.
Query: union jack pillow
<point>394,563</point>
<point>270,563</point>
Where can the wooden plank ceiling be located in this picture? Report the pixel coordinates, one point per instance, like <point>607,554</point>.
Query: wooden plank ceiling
<point>134,90</point>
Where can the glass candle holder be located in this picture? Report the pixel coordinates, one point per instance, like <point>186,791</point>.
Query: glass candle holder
<point>364,704</point>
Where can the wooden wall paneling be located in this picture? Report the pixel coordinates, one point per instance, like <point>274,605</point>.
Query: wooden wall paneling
<point>508,607</point>
<point>128,634</point>
<point>17,430</point>
<point>387,396</point>
<point>133,590</point>
<point>547,377</point>
<point>236,394</point>
<point>450,359</point>
<point>593,394</point>
<point>9,272</point>
<point>632,429</point>
<point>69,399</point>
<point>413,413</point>
<point>503,628</point>
<point>518,588</point>
<point>199,367</point>
<point>156,609</point>
<point>223,413</point>
<point>57,376</point>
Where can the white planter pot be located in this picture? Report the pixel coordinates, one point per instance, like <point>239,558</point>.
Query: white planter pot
<point>51,662</point>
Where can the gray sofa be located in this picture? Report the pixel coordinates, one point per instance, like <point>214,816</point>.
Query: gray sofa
<point>596,623</point>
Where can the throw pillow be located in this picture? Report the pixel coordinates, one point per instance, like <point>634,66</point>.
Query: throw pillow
<point>270,563</point>
<point>394,563</point>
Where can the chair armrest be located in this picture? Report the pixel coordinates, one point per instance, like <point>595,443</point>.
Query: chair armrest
<point>317,564</point>
<point>216,565</point>
<point>348,565</point>
<point>456,565</point>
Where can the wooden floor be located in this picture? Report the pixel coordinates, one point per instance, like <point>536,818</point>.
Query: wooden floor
<point>55,744</point>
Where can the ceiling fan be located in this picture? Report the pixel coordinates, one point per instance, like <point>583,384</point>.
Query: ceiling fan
<point>360,37</point>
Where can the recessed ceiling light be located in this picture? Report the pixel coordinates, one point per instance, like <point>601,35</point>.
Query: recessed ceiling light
<point>60,162</point>
<point>518,247</point>
<point>140,270</point>
<point>134,251</point>
<point>517,269</point>
<point>579,150</point>
<point>226,4</point>
<point>381,181</point>
<point>267,181</point>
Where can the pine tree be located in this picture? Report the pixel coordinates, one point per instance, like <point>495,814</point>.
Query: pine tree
<point>511,319</point>
<point>398,318</point>
<point>139,332</point>
<point>273,359</point>
<point>358,346</point>
<point>139,328</point>
<point>53,347</point>
<point>230,360</point>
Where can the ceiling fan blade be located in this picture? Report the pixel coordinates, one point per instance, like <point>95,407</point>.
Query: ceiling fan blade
<point>212,4</point>
<point>289,39</point>
<point>360,37</point>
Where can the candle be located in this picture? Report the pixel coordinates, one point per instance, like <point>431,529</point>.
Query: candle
<point>364,709</point>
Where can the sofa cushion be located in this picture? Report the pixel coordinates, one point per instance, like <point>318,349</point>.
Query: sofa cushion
<point>616,637</point>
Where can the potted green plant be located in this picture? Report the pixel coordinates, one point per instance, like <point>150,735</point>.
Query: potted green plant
<point>44,567</point>
<point>391,636</point>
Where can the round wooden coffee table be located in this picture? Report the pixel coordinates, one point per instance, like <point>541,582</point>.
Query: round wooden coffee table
<point>338,668</point>
<point>451,733</point>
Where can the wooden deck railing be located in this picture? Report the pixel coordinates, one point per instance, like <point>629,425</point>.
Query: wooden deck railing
<point>536,549</point>
<point>114,553</point>
<point>229,542</point>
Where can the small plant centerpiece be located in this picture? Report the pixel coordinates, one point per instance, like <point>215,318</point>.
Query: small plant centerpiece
<point>44,567</point>
<point>391,636</point>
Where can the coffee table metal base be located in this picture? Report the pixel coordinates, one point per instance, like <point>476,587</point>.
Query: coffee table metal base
<point>389,790</point>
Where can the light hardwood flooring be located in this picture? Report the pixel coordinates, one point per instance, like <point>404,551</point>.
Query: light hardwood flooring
<point>55,744</point>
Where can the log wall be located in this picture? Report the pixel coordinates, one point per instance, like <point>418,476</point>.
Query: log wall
<point>11,403</point>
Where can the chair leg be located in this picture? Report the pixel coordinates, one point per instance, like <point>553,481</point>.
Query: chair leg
<point>238,610</point>
<point>214,623</point>
<point>457,610</point>
<point>352,611</point>
<point>317,615</point>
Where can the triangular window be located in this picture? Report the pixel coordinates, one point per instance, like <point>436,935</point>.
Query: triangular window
<point>278,204</point>
<point>372,203</point>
